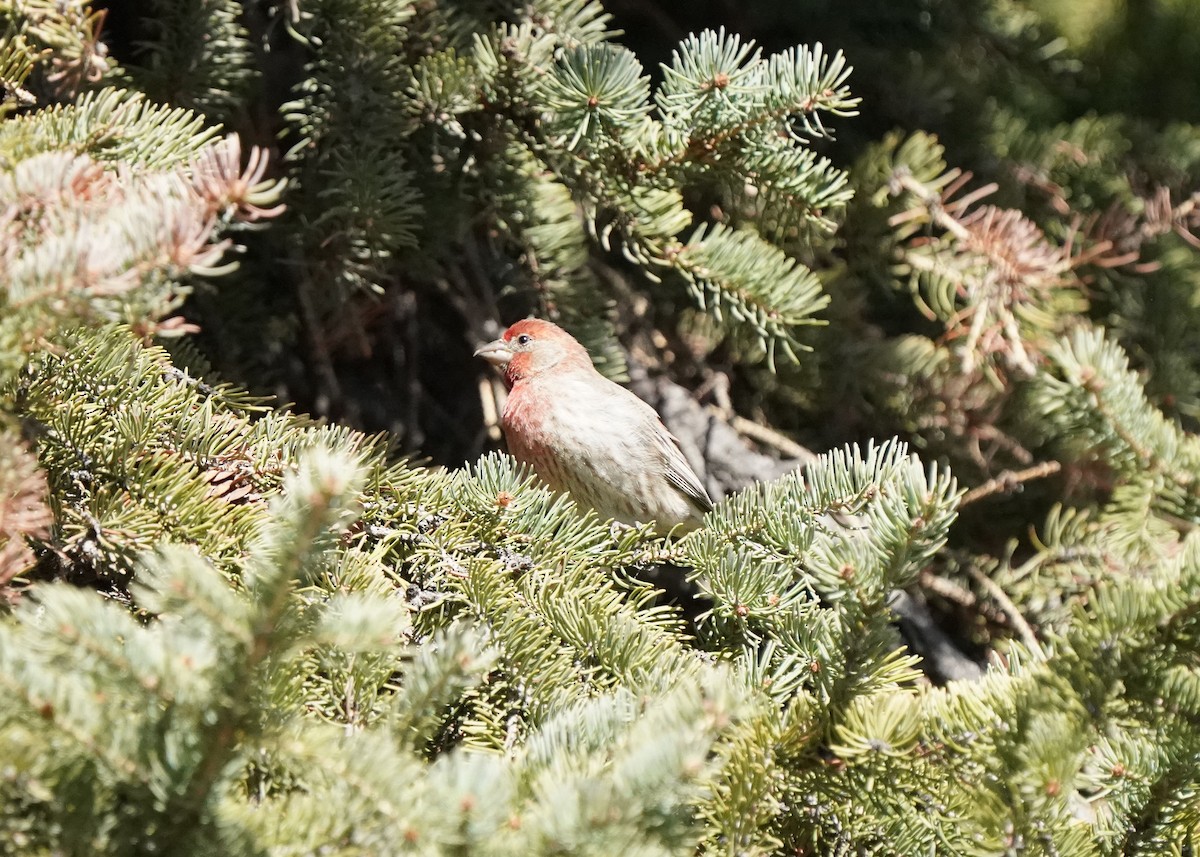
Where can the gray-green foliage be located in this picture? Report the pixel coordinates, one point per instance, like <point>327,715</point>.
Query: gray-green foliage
<point>612,705</point>
<point>247,632</point>
<point>108,206</point>
<point>388,658</point>
<point>556,131</point>
<point>196,53</point>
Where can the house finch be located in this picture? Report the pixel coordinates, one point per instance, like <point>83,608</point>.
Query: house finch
<point>588,437</point>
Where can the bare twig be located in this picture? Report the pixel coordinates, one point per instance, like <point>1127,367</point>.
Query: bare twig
<point>1009,481</point>
<point>764,435</point>
<point>1020,624</point>
<point>953,592</point>
<point>489,400</point>
<point>329,396</point>
<point>1005,612</point>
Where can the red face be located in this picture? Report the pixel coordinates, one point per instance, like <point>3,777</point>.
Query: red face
<point>525,332</point>
<point>532,346</point>
<point>535,346</point>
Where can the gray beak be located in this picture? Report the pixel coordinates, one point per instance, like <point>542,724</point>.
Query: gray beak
<point>497,352</point>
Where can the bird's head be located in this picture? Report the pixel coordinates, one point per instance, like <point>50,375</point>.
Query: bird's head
<point>531,347</point>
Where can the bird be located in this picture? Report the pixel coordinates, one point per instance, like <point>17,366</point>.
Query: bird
<point>589,437</point>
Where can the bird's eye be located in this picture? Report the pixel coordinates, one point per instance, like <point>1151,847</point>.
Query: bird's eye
<point>524,339</point>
